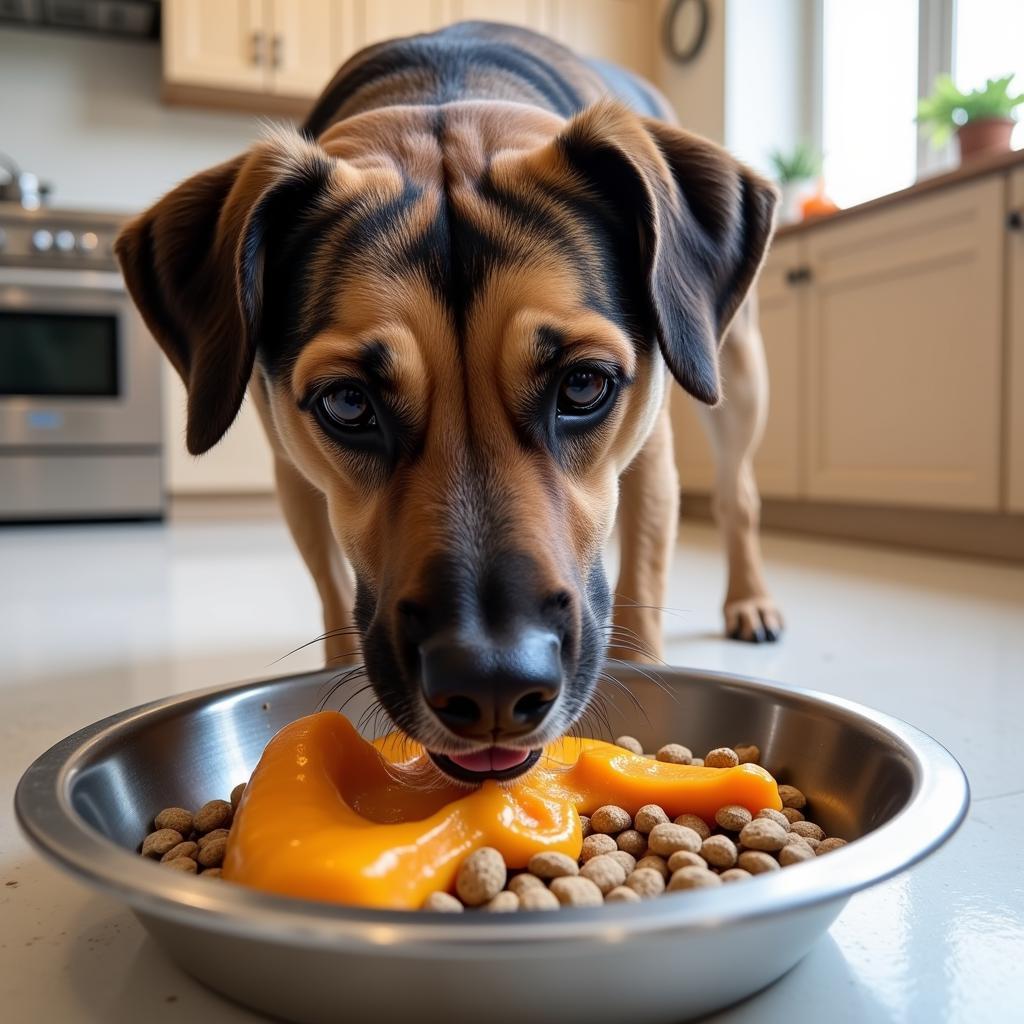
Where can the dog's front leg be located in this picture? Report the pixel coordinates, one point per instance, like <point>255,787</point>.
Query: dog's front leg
<point>648,520</point>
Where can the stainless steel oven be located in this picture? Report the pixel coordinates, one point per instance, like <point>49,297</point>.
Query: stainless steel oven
<point>80,421</point>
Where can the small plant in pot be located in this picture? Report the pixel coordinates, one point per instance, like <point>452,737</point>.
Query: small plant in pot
<point>982,119</point>
<point>796,172</point>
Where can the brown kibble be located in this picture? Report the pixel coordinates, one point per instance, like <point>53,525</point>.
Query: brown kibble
<point>685,859</point>
<point>735,874</point>
<point>574,891</point>
<point>773,815</point>
<point>610,819</point>
<point>157,843</point>
<point>748,753</point>
<point>585,827</point>
<point>763,834</point>
<point>181,850</point>
<point>632,842</point>
<point>828,845</point>
<point>211,873</point>
<point>621,894</point>
<point>674,753</point>
<point>721,757</point>
<point>604,872</point>
<point>211,837</point>
<point>213,814</point>
<point>792,814</point>
<point>630,743</point>
<point>442,903</point>
<point>693,878</point>
<point>627,860</point>
<point>792,797</point>
<point>646,883</point>
<point>186,864</point>
<point>648,816</point>
<point>794,853</point>
<point>733,817</point>
<point>696,762</point>
<point>505,902</point>
<point>538,899</point>
<point>551,864</point>
<point>808,830</point>
<point>174,817</point>
<point>655,863</point>
<point>595,845</point>
<point>211,855</point>
<point>697,823</point>
<point>523,883</point>
<point>665,839</point>
<point>236,795</point>
<point>719,851</point>
<point>756,862</point>
<point>794,837</point>
<point>481,876</point>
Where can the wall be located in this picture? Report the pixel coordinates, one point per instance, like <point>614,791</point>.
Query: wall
<point>85,115</point>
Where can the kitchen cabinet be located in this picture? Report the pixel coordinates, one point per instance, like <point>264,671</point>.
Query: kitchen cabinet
<point>1015,344</point>
<point>384,19</point>
<point>309,41</point>
<point>623,31</point>
<point>903,343</point>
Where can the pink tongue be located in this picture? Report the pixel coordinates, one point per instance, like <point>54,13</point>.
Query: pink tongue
<point>493,759</point>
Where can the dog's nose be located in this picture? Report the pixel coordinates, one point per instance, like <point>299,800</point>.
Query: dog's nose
<point>485,692</point>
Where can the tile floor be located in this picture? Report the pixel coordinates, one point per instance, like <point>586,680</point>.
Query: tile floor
<point>94,619</point>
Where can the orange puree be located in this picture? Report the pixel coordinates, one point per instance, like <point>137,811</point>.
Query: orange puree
<point>329,816</point>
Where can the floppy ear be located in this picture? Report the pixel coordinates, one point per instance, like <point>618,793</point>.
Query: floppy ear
<point>699,220</point>
<point>194,266</point>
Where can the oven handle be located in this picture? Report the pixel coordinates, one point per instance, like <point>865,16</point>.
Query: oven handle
<point>48,278</point>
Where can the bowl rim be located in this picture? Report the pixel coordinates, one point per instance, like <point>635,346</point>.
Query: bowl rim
<point>937,806</point>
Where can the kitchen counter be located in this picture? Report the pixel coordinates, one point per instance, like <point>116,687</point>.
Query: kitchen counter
<point>96,619</point>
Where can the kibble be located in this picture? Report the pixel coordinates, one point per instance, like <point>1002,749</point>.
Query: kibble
<point>236,795</point>
<point>211,855</point>
<point>523,883</point>
<point>791,814</point>
<point>604,872</point>
<point>442,903</point>
<point>664,840</point>
<point>188,849</point>
<point>735,875</point>
<point>186,864</point>
<point>504,902</point>
<point>214,814</point>
<point>685,859</point>
<point>693,878</point>
<point>627,860</point>
<point>721,757</point>
<point>212,837</point>
<point>481,876</point>
<point>176,818</point>
<point>698,824</point>
<point>828,845</point>
<point>719,851</point>
<point>773,815</point>
<point>763,834</point>
<point>622,894</point>
<point>632,842</point>
<point>757,862</point>
<point>574,891</point>
<point>162,841</point>
<point>595,845</point>
<point>808,830</point>
<point>794,853</point>
<point>648,816</point>
<point>646,883</point>
<point>630,743</point>
<point>674,753</point>
<point>733,817</point>
<point>610,820</point>
<point>210,873</point>
<point>792,797</point>
<point>656,863</point>
<point>585,828</point>
<point>538,899</point>
<point>553,865</point>
<point>748,753</point>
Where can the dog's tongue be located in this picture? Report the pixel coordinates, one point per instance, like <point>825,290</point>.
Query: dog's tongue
<point>493,759</point>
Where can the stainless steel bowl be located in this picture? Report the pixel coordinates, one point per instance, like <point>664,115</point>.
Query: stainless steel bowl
<point>86,804</point>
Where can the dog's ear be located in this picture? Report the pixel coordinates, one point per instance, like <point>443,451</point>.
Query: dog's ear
<point>699,220</point>
<point>194,265</point>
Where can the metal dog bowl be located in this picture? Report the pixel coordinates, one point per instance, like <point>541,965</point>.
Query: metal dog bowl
<point>86,804</point>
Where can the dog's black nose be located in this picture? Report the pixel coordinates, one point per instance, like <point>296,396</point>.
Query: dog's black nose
<point>492,693</point>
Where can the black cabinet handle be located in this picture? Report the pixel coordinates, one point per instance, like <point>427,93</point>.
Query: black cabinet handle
<point>798,275</point>
<point>1015,220</point>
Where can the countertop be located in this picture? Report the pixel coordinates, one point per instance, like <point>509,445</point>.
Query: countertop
<point>96,619</point>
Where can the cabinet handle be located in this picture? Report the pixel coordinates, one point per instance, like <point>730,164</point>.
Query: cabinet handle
<point>798,275</point>
<point>1015,220</point>
<point>258,41</point>
<point>277,51</point>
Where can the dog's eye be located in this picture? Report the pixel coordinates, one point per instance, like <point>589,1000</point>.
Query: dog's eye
<point>582,391</point>
<point>348,407</point>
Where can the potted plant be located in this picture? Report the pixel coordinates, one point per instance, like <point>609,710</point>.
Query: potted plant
<point>982,119</point>
<point>796,172</point>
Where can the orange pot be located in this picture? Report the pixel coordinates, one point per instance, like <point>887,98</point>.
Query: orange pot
<point>984,137</point>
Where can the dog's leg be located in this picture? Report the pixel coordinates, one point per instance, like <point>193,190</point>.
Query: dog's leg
<point>648,519</point>
<point>305,512</point>
<point>735,428</point>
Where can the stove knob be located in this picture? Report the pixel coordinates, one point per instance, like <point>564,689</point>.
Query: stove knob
<point>64,240</point>
<point>88,241</point>
<point>42,240</point>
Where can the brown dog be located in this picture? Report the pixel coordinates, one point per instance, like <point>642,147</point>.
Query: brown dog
<point>455,298</point>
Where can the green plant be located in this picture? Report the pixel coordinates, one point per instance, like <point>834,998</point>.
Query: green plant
<point>801,163</point>
<point>948,108</point>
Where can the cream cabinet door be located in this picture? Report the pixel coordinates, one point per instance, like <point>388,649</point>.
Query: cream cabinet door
<point>222,44</point>
<point>1015,367</point>
<point>776,462</point>
<point>903,372</point>
<point>623,31</point>
<point>309,42</point>
<point>535,14</point>
<point>386,19</point>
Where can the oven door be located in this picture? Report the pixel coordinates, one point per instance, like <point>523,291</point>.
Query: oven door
<point>77,366</point>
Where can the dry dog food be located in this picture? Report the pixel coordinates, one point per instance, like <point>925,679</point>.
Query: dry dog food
<point>194,842</point>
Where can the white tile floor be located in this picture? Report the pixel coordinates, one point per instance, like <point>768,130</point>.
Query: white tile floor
<point>94,619</point>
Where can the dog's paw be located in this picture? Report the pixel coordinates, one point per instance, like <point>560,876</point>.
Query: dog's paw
<point>754,619</point>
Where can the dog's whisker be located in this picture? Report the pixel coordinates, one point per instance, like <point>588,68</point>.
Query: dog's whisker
<point>330,634</point>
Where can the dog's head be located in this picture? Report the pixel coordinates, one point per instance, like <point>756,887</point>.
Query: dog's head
<point>463,323</point>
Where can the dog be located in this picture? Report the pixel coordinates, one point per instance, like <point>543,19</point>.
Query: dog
<point>456,298</point>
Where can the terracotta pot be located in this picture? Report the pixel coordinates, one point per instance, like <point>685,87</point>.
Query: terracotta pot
<point>984,137</point>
